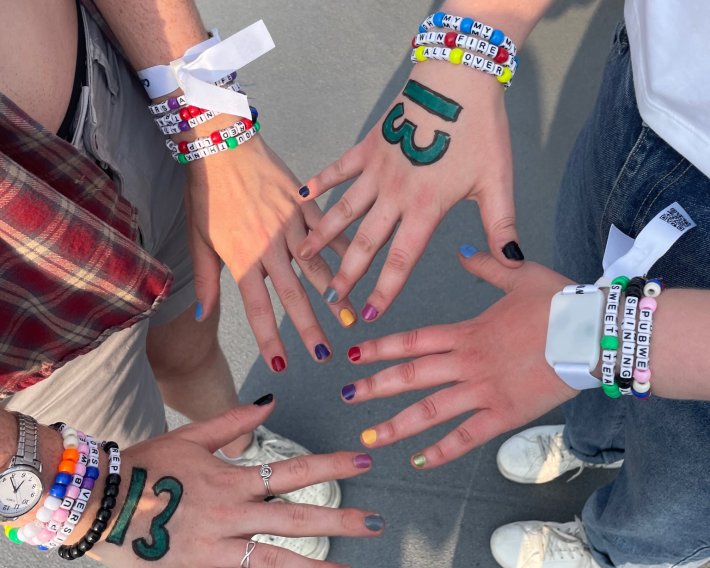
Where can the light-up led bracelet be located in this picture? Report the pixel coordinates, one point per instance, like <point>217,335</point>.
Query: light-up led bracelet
<point>457,56</point>
<point>610,341</point>
<point>468,26</point>
<point>214,145</point>
<point>175,103</point>
<point>452,39</point>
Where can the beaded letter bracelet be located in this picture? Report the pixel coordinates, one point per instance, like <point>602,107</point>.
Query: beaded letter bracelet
<point>498,54</point>
<point>227,144</point>
<point>610,341</point>
<point>468,26</point>
<point>192,121</point>
<point>642,373</point>
<point>468,59</point>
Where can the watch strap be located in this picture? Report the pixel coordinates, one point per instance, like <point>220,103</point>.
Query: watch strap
<point>27,442</point>
<point>577,376</point>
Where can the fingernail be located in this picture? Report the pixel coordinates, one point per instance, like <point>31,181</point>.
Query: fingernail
<point>304,250</point>
<point>467,251</point>
<point>347,317</point>
<point>330,295</point>
<point>363,461</point>
<point>321,352</point>
<point>369,436</point>
<point>198,310</point>
<point>368,313</point>
<point>348,392</point>
<point>419,460</point>
<point>374,523</point>
<point>304,191</point>
<point>354,353</point>
<point>264,400</point>
<point>512,251</point>
<point>278,364</point>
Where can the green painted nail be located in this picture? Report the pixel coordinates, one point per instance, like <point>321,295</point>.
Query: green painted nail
<point>419,460</point>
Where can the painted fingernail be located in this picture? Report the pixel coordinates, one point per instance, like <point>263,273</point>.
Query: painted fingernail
<point>348,392</point>
<point>374,523</point>
<point>321,352</point>
<point>354,353</point>
<point>278,364</point>
<point>368,313</point>
<point>264,400</point>
<point>198,310</point>
<point>369,436</point>
<point>363,461</point>
<point>304,250</point>
<point>330,295</point>
<point>347,317</point>
<point>512,251</point>
<point>419,460</point>
<point>304,191</point>
<point>467,251</point>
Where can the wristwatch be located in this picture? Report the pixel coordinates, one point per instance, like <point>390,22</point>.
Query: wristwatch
<point>21,484</point>
<point>574,334</point>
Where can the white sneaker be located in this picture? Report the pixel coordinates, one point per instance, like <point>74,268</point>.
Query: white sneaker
<point>535,544</point>
<point>539,455</point>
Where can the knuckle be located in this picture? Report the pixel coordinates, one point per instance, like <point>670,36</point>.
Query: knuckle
<point>348,522</point>
<point>363,242</point>
<point>292,296</point>
<point>316,266</point>
<point>407,372</point>
<point>339,167</point>
<point>398,260</point>
<point>344,209</point>
<point>298,468</point>
<point>369,383</point>
<point>258,310</point>
<point>410,341</point>
<point>427,409</point>
<point>463,436</point>
<point>300,515</point>
<point>503,224</point>
<point>438,454</point>
<point>273,557</point>
<point>389,430</point>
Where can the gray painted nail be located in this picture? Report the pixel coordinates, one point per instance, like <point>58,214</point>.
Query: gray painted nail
<point>330,295</point>
<point>374,523</point>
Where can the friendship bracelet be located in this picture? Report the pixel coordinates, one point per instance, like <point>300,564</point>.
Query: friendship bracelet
<point>468,26</point>
<point>642,373</point>
<point>199,118</point>
<point>175,103</point>
<point>451,39</point>
<point>216,137</point>
<point>186,113</point>
<point>228,144</point>
<point>458,57</point>
<point>610,341</point>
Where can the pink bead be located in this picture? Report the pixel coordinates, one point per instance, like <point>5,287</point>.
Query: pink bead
<point>642,375</point>
<point>36,541</point>
<point>46,535</point>
<point>73,491</point>
<point>83,449</point>
<point>60,515</point>
<point>648,304</point>
<point>79,469</point>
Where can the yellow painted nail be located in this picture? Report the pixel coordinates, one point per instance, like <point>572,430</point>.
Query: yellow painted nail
<point>369,436</point>
<point>347,317</point>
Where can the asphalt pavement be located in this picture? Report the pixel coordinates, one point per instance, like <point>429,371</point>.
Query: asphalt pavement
<point>335,70</point>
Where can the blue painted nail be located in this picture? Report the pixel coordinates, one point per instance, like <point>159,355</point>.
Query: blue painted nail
<point>374,522</point>
<point>322,352</point>
<point>198,310</point>
<point>348,392</point>
<point>304,191</point>
<point>330,295</point>
<point>468,250</point>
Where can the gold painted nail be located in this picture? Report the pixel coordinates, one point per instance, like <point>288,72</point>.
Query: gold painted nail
<point>304,251</point>
<point>419,460</point>
<point>347,317</point>
<point>369,436</point>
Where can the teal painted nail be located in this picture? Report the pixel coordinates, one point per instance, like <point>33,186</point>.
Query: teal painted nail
<point>198,310</point>
<point>468,250</point>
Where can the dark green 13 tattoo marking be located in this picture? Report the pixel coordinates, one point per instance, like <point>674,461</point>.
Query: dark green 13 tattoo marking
<point>135,490</point>
<point>432,101</point>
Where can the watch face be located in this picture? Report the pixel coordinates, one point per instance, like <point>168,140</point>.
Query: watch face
<point>20,490</point>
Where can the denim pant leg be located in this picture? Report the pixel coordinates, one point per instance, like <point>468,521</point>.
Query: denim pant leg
<point>657,511</point>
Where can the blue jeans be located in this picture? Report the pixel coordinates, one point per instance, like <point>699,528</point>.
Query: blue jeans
<point>657,511</point>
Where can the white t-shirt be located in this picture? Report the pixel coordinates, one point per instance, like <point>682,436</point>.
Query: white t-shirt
<point>670,46</point>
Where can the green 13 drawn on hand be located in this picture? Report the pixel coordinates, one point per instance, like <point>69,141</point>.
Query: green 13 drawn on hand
<point>434,103</point>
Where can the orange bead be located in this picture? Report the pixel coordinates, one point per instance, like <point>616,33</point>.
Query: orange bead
<point>66,466</point>
<point>71,455</point>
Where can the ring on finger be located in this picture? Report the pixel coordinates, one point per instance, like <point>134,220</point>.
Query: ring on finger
<point>251,545</point>
<point>265,473</point>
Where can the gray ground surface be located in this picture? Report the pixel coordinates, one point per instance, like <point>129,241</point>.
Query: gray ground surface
<point>336,68</point>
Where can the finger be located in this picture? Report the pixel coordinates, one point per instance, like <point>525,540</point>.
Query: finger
<point>407,248</point>
<point>486,266</point>
<point>233,550</point>
<point>354,203</point>
<point>260,314</point>
<point>414,343</point>
<point>348,166</point>
<point>296,303</point>
<point>423,373</point>
<point>313,214</point>
<point>482,427</point>
<point>207,268</point>
<point>293,521</point>
<point>304,471</point>
<point>498,215</point>
<point>373,233</point>
<point>224,429</point>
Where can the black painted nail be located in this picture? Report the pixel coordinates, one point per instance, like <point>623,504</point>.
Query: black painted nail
<point>304,191</point>
<point>374,523</point>
<point>512,251</point>
<point>264,400</point>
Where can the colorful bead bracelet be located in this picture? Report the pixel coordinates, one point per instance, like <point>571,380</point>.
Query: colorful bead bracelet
<point>216,137</point>
<point>610,341</point>
<point>451,39</point>
<point>458,57</point>
<point>228,144</point>
<point>642,373</point>
<point>199,118</point>
<point>175,103</point>
<point>468,26</point>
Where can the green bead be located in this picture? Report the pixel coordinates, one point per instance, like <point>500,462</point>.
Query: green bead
<point>257,126</point>
<point>12,535</point>
<point>623,281</point>
<point>610,342</point>
<point>182,159</point>
<point>612,391</point>
<point>232,142</point>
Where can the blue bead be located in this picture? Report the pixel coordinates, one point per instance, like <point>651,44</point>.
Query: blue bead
<point>40,547</point>
<point>439,19</point>
<point>92,472</point>
<point>656,281</point>
<point>466,25</point>
<point>62,479</point>
<point>517,61</point>
<point>497,37</point>
<point>422,29</point>
<point>254,111</point>
<point>58,491</point>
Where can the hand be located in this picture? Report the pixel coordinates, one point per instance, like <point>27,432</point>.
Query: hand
<point>216,507</point>
<point>495,363</point>
<point>241,207</point>
<point>394,187</point>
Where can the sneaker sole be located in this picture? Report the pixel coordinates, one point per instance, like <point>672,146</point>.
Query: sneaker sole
<point>527,481</point>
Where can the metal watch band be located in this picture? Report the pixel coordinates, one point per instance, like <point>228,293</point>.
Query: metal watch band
<point>27,442</point>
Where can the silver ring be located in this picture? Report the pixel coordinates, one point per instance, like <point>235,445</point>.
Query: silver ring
<point>265,473</point>
<point>251,545</point>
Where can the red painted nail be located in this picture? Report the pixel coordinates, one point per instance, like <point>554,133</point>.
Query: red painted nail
<point>278,364</point>
<point>354,353</point>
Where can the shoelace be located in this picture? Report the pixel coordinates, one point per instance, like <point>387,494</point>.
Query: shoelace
<point>560,545</point>
<point>553,443</point>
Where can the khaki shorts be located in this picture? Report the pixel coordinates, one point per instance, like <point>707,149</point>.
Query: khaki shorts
<point>111,392</point>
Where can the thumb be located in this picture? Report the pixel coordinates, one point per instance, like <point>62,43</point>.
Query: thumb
<point>498,214</point>
<point>207,268</point>
<point>486,266</point>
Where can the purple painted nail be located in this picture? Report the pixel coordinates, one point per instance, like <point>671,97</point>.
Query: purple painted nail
<point>348,392</point>
<point>368,313</point>
<point>363,461</point>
